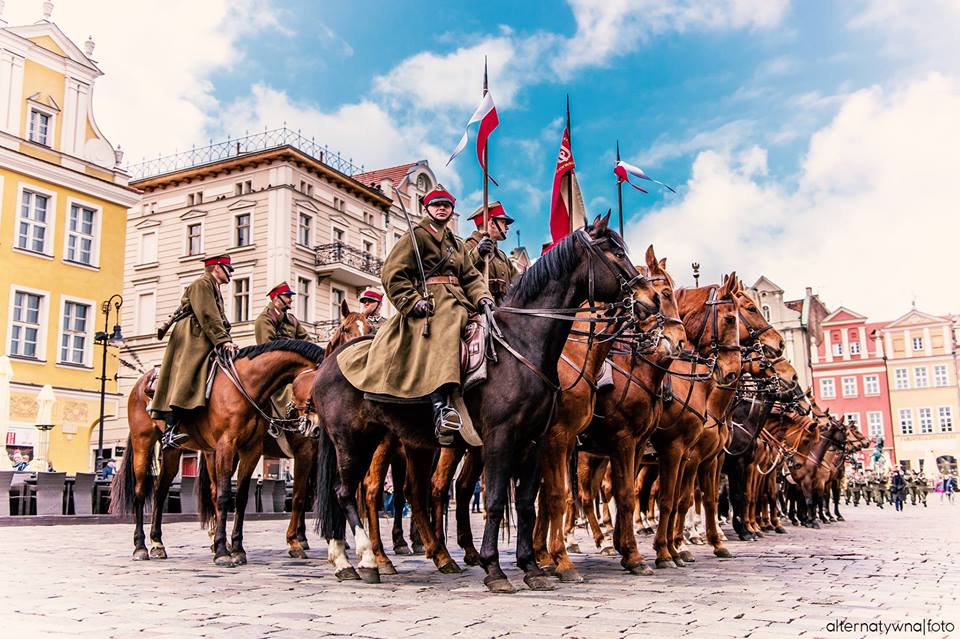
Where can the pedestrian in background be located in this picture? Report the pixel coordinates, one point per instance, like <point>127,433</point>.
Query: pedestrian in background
<point>109,469</point>
<point>476,497</point>
<point>897,487</point>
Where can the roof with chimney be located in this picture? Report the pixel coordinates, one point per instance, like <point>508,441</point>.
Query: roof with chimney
<point>393,173</point>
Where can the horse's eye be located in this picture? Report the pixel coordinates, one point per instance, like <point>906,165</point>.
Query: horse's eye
<point>667,293</point>
<point>730,321</point>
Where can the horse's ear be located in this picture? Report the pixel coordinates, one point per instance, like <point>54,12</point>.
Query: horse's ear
<point>344,309</point>
<point>651,258</point>
<point>605,220</point>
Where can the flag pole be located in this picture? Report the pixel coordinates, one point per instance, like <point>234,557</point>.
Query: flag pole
<point>619,194</point>
<point>486,188</point>
<point>570,178</point>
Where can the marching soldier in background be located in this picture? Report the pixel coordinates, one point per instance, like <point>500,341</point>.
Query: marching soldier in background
<point>199,327</point>
<point>277,322</point>
<point>857,484</point>
<point>372,301</point>
<point>879,486</point>
<point>918,488</point>
<point>845,487</point>
<point>481,244</point>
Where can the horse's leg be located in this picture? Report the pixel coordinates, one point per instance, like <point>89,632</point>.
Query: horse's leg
<point>142,460</point>
<point>169,466</point>
<point>440,488</point>
<point>303,470</point>
<point>398,472</point>
<point>588,492</point>
<point>554,493</point>
<point>685,497</point>
<point>248,463</point>
<point>224,457</point>
<point>496,480</point>
<point>372,491</point>
<point>606,494</point>
<point>669,458</point>
<point>419,462</point>
<point>710,492</point>
<point>469,476</point>
<point>528,482</point>
<point>623,480</point>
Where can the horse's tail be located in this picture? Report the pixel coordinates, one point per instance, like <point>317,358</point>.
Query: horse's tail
<point>206,511</point>
<point>331,522</point>
<point>123,491</point>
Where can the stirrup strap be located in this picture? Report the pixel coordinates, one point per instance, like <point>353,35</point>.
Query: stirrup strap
<point>449,419</point>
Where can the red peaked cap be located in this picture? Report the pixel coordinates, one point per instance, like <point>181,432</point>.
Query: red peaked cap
<point>280,289</point>
<point>496,210</point>
<point>372,295</point>
<point>439,194</point>
<point>219,259</point>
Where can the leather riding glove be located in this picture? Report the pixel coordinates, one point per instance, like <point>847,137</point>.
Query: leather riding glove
<point>420,309</point>
<point>485,247</point>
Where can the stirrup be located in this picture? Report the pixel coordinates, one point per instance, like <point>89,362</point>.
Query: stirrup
<point>448,420</point>
<point>172,439</point>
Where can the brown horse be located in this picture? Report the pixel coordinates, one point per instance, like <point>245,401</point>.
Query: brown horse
<point>231,426</point>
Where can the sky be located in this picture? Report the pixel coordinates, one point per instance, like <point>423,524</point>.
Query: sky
<point>813,142</point>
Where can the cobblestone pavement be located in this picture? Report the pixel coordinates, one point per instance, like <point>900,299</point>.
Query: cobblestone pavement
<point>877,566</point>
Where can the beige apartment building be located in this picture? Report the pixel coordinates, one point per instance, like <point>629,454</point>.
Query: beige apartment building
<point>284,208</point>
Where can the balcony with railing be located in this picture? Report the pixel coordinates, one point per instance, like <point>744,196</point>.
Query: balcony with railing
<point>348,265</point>
<point>235,147</point>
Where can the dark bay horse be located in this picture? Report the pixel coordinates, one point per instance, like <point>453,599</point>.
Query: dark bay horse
<point>510,410</point>
<point>230,428</point>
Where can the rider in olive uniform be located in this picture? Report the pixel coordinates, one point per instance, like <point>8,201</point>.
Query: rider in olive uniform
<point>484,242</point>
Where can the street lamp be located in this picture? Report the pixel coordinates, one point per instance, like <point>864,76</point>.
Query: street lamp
<point>104,339</point>
<point>696,274</point>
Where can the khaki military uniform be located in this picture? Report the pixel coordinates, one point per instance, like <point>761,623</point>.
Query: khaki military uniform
<point>502,270</point>
<point>181,382</point>
<point>271,324</point>
<point>399,361</point>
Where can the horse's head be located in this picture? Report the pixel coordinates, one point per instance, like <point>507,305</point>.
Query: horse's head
<point>607,271</point>
<point>352,326</point>
<point>672,337</point>
<point>711,318</point>
<point>755,329</point>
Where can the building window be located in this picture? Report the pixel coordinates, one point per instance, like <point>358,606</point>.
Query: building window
<point>241,299</point>
<point>871,384</point>
<point>849,386</point>
<point>194,239</point>
<point>920,377</point>
<point>303,298</point>
<point>925,416</point>
<point>827,388</point>
<point>875,423</point>
<point>195,199</point>
<point>242,235</point>
<point>338,235</point>
<point>304,230</point>
<point>900,380</point>
<point>946,419</point>
<point>918,343</point>
<point>306,188</point>
<point>855,348</point>
<point>39,127</point>
<point>81,231</point>
<point>940,376</point>
<point>148,247</point>
<point>338,204</point>
<point>73,339</point>
<point>423,183</point>
<point>241,188</point>
<point>837,348</point>
<point>146,313</point>
<point>25,331</point>
<point>336,299</point>
<point>853,419</point>
<point>32,225</point>
<point>906,421</point>
<point>766,312</point>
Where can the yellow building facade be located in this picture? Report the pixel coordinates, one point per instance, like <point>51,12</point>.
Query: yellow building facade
<point>63,209</point>
<point>924,394</point>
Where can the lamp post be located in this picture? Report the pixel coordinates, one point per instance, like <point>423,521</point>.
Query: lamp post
<point>104,339</point>
<point>696,274</point>
<point>44,424</point>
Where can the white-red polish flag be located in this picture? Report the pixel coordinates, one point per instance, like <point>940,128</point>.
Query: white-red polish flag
<point>623,171</point>
<point>486,115</point>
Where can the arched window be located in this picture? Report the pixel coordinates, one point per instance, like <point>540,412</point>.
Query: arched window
<point>766,312</point>
<point>423,183</point>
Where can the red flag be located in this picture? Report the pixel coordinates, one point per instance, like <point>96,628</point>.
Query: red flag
<point>559,207</point>
<point>486,115</point>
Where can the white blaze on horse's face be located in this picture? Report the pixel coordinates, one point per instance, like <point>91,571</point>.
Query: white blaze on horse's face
<point>360,330</point>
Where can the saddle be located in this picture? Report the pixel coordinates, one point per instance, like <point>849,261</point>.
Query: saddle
<point>473,363</point>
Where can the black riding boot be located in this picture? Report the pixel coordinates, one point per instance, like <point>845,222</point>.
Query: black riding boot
<point>446,419</point>
<point>171,438</point>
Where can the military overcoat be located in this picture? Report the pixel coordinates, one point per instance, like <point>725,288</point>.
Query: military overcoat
<point>400,362</point>
<point>186,360</point>
<point>272,323</point>
<point>502,270</point>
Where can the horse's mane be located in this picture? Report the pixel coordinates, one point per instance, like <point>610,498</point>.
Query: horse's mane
<point>309,350</point>
<point>555,263</point>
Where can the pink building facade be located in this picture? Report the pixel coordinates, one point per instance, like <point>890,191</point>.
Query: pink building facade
<point>850,377</point>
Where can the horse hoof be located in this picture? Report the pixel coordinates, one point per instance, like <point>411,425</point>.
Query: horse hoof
<point>402,549</point>
<point>608,551</point>
<point>499,585</point>
<point>679,562</point>
<point>696,540</point>
<point>298,553</point>
<point>224,561</point>
<point>304,544</point>
<point>758,535</point>
<point>141,554</point>
<point>664,563</point>
<point>722,552</point>
<point>450,568</point>
<point>347,574</point>
<point>687,556</point>
<point>575,549</point>
<point>648,531</point>
<point>640,569</point>
<point>815,525</point>
<point>538,582</point>
<point>780,530</point>
<point>239,558</point>
<point>369,575</point>
<point>387,568</point>
<point>743,537</point>
<point>766,528</point>
<point>840,518</point>
<point>471,558</point>
<point>569,576</point>
<point>158,552</point>
<point>417,549</point>
<point>550,570</point>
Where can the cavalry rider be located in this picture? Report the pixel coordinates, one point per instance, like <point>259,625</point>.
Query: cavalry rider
<point>402,362</point>
<point>483,242</point>
<point>371,301</point>
<point>181,383</point>
<point>276,321</point>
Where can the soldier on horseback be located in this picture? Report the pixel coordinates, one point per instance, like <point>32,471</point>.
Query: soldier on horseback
<point>372,301</point>
<point>200,326</point>
<point>483,242</point>
<point>416,354</point>
<point>276,321</point>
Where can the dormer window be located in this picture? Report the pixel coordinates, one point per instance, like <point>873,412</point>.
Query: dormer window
<point>40,128</point>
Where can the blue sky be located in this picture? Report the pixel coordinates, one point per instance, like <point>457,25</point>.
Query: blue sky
<point>809,141</point>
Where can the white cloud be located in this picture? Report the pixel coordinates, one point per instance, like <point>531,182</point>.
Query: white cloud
<point>917,35</point>
<point>871,221</point>
<point>723,137</point>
